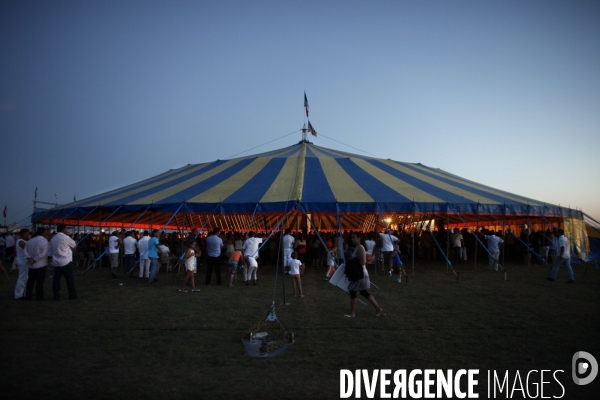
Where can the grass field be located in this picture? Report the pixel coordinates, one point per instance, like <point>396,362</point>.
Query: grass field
<point>128,339</point>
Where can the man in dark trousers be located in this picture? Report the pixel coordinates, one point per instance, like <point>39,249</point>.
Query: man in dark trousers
<point>62,262</point>
<point>213,256</point>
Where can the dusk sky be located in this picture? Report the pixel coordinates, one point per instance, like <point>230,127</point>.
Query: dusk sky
<point>95,95</point>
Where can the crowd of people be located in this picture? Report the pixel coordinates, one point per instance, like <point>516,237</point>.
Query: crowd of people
<point>31,260</point>
<point>142,253</point>
<point>459,245</point>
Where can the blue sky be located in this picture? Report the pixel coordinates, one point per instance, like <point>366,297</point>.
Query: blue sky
<point>96,95</point>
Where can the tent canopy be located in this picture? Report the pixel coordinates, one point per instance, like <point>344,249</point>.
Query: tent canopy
<point>306,177</point>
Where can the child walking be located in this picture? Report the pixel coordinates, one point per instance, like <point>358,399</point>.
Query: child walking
<point>190,266</point>
<point>330,263</point>
<point>234,260</point>
<point>295,267</point>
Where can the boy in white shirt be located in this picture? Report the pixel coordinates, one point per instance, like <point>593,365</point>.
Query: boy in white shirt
<point>295,267</point>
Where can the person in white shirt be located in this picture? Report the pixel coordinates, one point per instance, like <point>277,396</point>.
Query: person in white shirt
<point>142,245</point>
<point>190,256</point>
<point>458,243</point>
<point>166,255</point>
<point>494,251</point>
<point>295,269</point>
<point>287,247</point>
<point>238,243</point>
<point>251,245</point>
<point>370,244</point>
<point>370,248</point>
<point>113,252</point>
<point>129,246</point>
<point>563,256</point>
<point>36,256</point>
<point>62,262</point>
<point>387,248</point>
<point>21,264</point>
<point>252,267</point>
<point>10,241</point>
<point>250,249</point>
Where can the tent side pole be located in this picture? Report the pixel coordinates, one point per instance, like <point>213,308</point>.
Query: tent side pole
<point>528,233</point>
<point>233,223</point>
<point>122,253</point>
<point>238,223</point>
<point>504,244</point>
<point>78,236</point>
<point>413,240</point>
<point>476,233</point>
<point>280,257</point>
<point>180,233</point>
<point>340,237</point>
<point>100,237</point>
<point>447,237</point>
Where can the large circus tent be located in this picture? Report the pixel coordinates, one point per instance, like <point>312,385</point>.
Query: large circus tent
<point>313,187</point>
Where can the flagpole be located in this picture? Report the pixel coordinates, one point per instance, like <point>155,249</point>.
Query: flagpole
<point>305,115</point>
<point>306,120</point>
<point>306,108</point>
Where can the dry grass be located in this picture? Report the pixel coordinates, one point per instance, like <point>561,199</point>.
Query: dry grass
<point>137,340</point>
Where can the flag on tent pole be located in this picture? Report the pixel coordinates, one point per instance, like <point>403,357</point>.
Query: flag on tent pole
<point>5,211</point>
<point>306,106</point>
<point>35,194</point>
<point>74,199</point>
<point>311,129</point>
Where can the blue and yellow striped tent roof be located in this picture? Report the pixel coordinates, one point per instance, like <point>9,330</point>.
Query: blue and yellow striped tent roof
<point>311,178</point>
